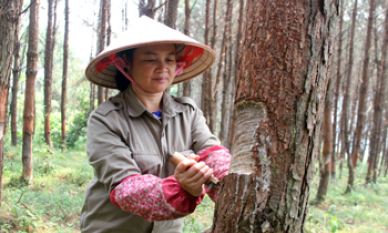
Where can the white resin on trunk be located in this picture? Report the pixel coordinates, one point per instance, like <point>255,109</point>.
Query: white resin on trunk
<point>249,115</point>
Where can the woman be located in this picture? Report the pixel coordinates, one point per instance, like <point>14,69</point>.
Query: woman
<point>132,136</point>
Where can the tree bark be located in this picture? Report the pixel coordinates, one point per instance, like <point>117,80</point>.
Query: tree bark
<point>15,86</point>
<point>31,72</point>
<point>280,97</point>
<point>211,106</point>
<point>337,89</point>
<point>324,170</point>
<point>147,9</point>
<point>363,87</point>
<point>9,18</point>
<point>227,81</point>
<point>346,101</point>
<point>102,41</point>
<point>378,108</point>
<point>205,79</point>
<point>64,76</point>
<point>217,84</point>
<point>187,84</point>
<point>170,20</point>
<point>48,73</point>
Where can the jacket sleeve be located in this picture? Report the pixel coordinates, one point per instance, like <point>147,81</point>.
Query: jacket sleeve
<point>108,154</point>
<point>218,158</point>
<point>153,198</point>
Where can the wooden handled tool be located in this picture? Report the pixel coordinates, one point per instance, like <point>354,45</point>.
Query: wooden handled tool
<point>177,158</point>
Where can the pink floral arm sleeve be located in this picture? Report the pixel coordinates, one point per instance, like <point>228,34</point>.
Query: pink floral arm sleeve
<point>218,158</point>
<point>153,198</point>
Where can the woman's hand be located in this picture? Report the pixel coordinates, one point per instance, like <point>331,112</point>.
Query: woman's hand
<point>192,175</point>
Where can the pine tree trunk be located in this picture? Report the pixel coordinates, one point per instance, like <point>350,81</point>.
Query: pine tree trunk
<point>48,73</point>
<point>280,98</point>
<point>227,81</point>
<point>378,108</point>
<point>9,18</point>
<point>363,87</point>
<point>346,101</point>
<point>15,86</point>
<point>205,79</point>
<point>31,72</point>
<point>147,9</point>
<point>102,41</point>
<point>337,89</point>
<point>187,84</point>
<point>172,13</point>
<point>210,81</point>
<point>221,64</point>
<point>324,172</point>
<point>64,76</point>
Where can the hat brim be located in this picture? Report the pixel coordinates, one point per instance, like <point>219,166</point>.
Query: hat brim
<point>106,77</point>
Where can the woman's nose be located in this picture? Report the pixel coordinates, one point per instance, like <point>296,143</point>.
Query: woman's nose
<point>161,65</point>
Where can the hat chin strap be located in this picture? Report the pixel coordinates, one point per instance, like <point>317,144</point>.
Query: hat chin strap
<point>119,63</point>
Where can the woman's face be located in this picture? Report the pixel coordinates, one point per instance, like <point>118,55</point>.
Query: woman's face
<point>153,67</point>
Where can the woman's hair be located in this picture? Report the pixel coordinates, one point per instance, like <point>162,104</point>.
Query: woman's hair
<point>121,81</point>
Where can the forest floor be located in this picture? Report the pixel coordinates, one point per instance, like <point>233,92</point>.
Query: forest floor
<point>53,202</point>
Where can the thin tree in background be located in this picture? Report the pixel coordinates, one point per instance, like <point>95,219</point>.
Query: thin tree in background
<point>226,74</point>
<point>232,127</point>
<point>363,87</point>
<point>279,101</point>
<point>378,110</point>
<point>147,9</point>
<point>324,166</point>
<point>31,72</point>
<point>64,76</point>
<point>15,86</point>
<point>101,41</point>
<point>337,88</point>
<point>171,17</point>
<point>108,38</point>
<point>345,113</point>
<point>205,81</point>
<point>221,63</point>
<point>212,114</point>
<point>48,72</point>
<point>9,18</point>
<point>187,84</point>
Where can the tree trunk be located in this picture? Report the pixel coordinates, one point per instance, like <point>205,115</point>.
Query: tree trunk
<point>211,111</point>
<point>31,72</point>
<point>227,81</point>
<point>147,9</point>
<point>15,86</point>
<point>205,79</point>
<point>187,84</point>
<point>217,84</point>
<point>346,101</point>
<point>324,170</point>
<point>236,67</point>
<point>378,107</point>
<point>48,73</point>
<point>363,87</point>
<point>337,89</point>
<point>102,41</point>
<point>9,17</point>
<point>108,39</point>
<point>280,97</point>
<point>172,13</point>
<point>64,76</point>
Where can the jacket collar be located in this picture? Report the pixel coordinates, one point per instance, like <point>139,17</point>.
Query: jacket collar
<point>136,108</point>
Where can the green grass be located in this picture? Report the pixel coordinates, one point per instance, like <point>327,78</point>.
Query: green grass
<point>53,202</point>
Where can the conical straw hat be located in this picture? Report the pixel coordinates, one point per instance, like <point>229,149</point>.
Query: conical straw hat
<point>144,32</point>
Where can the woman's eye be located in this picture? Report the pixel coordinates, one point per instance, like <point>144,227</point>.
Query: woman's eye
<point>150,60</point>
